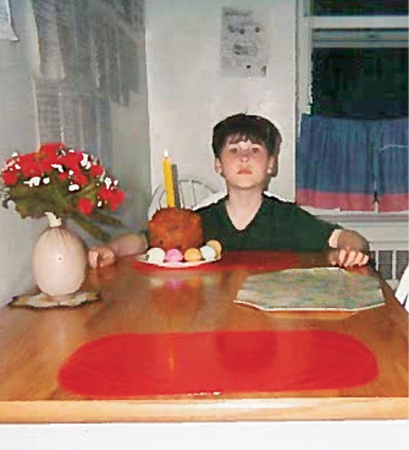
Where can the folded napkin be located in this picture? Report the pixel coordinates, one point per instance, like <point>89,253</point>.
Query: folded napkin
<point>311,289</point>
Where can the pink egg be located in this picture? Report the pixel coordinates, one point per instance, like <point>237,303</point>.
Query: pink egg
<point>173,255</point>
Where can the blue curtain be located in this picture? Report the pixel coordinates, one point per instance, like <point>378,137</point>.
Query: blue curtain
<point>334,166</point>
<point>344,163</point>
<point>389,139</point>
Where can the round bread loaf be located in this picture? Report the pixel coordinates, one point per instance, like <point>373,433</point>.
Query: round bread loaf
<point>175,228</point>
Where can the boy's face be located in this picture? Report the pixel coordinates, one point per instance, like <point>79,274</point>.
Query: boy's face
<point>244,164</point>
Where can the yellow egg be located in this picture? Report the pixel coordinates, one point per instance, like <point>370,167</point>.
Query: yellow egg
<point>192,254</point>
<point>216,246</point>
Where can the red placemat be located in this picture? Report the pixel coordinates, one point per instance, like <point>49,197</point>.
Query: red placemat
<point>131,365</point>
<point>254,260</point>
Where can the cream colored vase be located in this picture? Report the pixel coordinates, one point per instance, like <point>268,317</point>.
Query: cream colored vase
<point>59,259</point>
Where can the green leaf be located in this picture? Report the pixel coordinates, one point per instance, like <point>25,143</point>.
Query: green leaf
<point>90,227</point>
<point>106,219</point>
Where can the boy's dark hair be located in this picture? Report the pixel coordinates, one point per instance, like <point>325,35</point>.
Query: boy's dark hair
<point>242,126</point>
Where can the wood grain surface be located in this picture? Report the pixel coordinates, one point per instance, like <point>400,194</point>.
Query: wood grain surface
<point>35,342</point>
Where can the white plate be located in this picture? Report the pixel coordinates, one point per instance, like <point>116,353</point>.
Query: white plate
<point>176,265</point>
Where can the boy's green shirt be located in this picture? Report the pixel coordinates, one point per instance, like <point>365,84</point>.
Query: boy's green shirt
<point>277,225</point>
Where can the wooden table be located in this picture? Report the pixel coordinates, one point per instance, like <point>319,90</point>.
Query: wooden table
<point>34,344</point>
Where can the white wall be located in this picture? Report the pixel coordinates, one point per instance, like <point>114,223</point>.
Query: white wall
<point>188,95</point>
<point>18,131</point>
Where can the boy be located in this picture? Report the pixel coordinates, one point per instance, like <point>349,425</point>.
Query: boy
<point>246,149</point>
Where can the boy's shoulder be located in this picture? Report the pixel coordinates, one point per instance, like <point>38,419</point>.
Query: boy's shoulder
<point>211,202</point>
<point>275,200</point>
<point>275,205</point>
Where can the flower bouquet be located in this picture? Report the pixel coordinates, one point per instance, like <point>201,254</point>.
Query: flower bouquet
<point>66,182</point>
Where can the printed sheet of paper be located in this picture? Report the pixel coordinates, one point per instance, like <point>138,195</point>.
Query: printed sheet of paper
<point>244,43</point>
<point>311,289</point>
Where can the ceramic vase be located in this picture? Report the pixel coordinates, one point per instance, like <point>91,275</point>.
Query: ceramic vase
<point>59,259</point>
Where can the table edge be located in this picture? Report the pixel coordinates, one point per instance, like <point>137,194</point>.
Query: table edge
<point>209,410</point>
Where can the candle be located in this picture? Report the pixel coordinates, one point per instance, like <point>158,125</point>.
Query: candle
<point>168,179</point>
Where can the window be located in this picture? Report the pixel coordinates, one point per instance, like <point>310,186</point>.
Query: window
<point>352,61</point>
<point>360,83</point>
<point>353,58</point>
<point>88,62</point>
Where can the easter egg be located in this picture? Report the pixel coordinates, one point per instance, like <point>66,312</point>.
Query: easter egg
<point>216,245</point>
<point>192,254</point>
<point>155,255</point>
<point>173,255</point>
<point>208,253</point>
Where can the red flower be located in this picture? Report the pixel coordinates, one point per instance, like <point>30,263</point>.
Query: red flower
<point>51,148</point>
<point>80,178</point>
<point>9,178</point>
<point>45,163</point>
<point>63,176</point>
<point>96,170</point>
<point>85,205</point>
<point>12,161</point>
<point>105,194</point>
<point>29,165</point>
<point>114,197</point>
<point>72,159</point>
<point>117,198</point>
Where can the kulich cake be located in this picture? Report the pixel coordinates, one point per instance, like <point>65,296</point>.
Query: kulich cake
<point>175,228</point>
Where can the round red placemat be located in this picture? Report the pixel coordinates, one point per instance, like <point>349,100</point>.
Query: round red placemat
<point>253,260</point>
<point>130,365</point>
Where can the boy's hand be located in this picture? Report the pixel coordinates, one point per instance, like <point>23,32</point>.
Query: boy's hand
<point>352,250</point>
<point>101,257</point>
<point>345,258</point>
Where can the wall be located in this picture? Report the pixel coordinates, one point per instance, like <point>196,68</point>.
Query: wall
<point>18,131</point>
<point>188,95</point>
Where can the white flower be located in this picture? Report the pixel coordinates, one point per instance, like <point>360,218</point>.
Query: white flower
<point>35,181</point>
<point>85,161</point>
<point>46,180</point>
<point>11,164</point>
<point>59,167</point>
<point>73,187</point>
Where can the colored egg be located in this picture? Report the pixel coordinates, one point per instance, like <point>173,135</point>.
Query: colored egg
<point>216,245</point>
<point>208,253</point>
<point>173,255</point>
<point>155,255</point>
<point>192,254</point>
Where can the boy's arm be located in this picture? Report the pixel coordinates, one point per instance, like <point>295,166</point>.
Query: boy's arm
<point>352,248</point>
<point>128,244</point>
